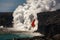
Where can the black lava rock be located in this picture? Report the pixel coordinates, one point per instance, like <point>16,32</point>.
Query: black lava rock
<point>49,23</point>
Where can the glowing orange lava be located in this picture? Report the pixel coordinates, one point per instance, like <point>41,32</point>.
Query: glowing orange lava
<point>33,23</point>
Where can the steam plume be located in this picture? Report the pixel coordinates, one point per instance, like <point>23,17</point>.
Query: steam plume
<point>22,15</point>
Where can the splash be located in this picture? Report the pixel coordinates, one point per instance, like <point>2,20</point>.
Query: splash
<point>26,14</point>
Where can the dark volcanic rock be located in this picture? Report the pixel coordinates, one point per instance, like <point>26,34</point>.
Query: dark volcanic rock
<point>6,19</point>
<point>56,37</point>
<point>49,22</point>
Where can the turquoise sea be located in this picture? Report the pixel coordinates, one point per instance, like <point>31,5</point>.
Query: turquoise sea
<point>11,36</point>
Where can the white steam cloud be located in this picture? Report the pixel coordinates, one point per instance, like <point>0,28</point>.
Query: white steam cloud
<point>24,14</point>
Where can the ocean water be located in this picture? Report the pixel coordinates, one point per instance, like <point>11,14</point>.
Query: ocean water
<point>11,36</point>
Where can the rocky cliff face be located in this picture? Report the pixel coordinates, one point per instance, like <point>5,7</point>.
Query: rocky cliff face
<point>49,22</point>
<point>6,19</point>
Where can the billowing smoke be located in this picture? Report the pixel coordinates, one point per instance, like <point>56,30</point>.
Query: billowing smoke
<point>24,15</point>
